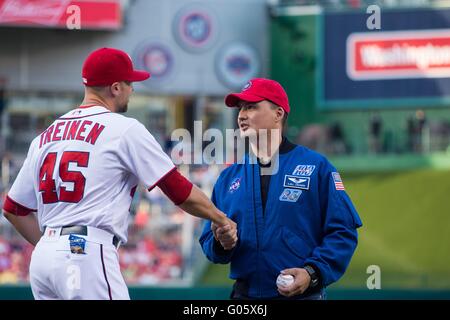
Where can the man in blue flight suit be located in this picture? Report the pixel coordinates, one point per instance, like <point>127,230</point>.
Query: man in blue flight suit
<point>292,212</point>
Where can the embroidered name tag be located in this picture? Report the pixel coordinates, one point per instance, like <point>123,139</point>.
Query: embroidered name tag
<point>296,182</point>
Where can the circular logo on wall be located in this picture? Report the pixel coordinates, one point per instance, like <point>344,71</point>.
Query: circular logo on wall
<point>236,64</point>
<point>195,28</point>
<point>155,58</point>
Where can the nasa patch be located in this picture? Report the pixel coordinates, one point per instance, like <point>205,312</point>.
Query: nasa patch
<point>234,185</point>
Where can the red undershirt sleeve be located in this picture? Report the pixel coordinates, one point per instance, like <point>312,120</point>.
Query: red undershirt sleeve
<point>176,187</point>
<point>16,208</point>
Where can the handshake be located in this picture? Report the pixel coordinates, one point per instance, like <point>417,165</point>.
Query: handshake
<point>225,234</point>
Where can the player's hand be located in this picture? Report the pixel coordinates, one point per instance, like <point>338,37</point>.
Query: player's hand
<point>302,280</point>
<point>226,235</point>
<point>214,228</point>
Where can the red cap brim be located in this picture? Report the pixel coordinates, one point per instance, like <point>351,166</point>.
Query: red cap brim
<point>233,99</point>
<point>139,75</point>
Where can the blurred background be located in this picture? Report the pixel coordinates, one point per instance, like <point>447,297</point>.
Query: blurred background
<point>369,86</point>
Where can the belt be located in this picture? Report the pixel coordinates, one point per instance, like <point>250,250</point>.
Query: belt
<point>83,231</point>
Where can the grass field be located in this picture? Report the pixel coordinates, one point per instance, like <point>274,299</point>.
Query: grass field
<point>406,232</point>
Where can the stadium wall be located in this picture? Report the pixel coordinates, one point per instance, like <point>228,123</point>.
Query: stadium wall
<point>223,293</point>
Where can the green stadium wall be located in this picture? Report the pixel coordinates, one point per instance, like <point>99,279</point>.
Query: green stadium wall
<point>223,293</point>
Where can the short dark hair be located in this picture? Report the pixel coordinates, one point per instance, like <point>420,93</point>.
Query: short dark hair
<point>273,106</point>
<point>97,89</point>
<point>101,89</point>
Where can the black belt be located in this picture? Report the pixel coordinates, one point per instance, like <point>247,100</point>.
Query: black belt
<point>83,231</point>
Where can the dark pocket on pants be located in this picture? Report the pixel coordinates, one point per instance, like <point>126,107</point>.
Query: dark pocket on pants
<point>240,290</point>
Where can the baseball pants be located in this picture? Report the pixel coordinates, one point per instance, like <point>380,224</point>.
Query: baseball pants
<point>74,266</point>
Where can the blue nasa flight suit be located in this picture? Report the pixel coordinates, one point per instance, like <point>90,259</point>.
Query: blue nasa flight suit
<point>308,219</point>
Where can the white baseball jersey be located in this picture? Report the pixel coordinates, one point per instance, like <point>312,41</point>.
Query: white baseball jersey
<point>84,168</point>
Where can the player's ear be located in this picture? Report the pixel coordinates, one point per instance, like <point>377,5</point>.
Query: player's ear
<point>115,89</point>
<point>279,114</point>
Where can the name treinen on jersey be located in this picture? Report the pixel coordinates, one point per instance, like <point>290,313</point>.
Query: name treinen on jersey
<point>82,130</point>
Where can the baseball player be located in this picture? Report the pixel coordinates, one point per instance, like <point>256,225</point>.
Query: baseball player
<point>72,196</point>
<point>290,204</point>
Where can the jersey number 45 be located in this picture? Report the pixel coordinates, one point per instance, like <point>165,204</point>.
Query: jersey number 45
<point>47,185</point>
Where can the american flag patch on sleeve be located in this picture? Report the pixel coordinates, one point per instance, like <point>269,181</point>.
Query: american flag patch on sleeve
<point>338,184</point>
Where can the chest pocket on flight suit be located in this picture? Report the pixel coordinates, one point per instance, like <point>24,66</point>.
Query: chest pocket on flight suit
<point>296,244</point>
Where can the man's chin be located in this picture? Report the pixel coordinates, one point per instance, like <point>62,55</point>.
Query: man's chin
<point>123,109</point>
<point>247,133</point>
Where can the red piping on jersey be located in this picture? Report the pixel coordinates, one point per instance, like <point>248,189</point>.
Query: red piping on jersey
<point>89,115</point>
<point>168,172</point>
<point>88,106</point>
<point>15,208</point>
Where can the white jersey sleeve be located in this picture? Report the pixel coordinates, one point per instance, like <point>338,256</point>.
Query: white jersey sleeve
<point>143,156</point>
<point>23,189</point>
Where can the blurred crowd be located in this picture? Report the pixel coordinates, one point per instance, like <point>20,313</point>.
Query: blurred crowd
<point>420,136</point>
<point>15,255</point>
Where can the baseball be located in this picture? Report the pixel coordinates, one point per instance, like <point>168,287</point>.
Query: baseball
<point>285,280</point>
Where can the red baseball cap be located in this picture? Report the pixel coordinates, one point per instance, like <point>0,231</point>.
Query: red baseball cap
<point>259,89</point>
<point>107,65</point>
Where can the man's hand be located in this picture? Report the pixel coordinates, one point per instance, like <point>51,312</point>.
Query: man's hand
<point>226,234</point>
<point>302,279</point>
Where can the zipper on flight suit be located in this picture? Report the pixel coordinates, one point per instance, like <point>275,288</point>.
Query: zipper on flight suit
<point>257,235</point>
